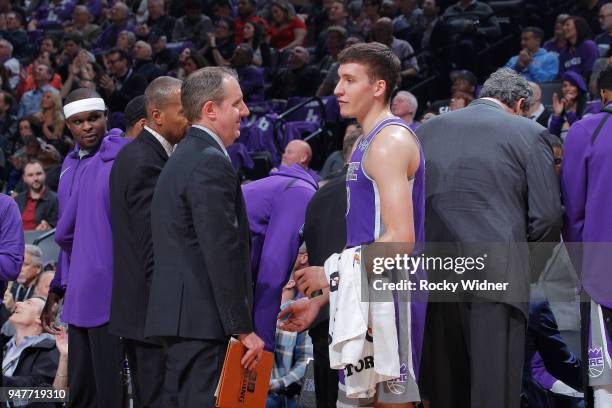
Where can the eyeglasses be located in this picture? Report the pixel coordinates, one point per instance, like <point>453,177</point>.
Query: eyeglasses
<point>114,61</point>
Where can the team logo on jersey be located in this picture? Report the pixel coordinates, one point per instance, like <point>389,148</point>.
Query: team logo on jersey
<point>334,281</point>
<point>351,172</point>
<point>596,362</point>
<point>397,385</point>
<point>363,144</point>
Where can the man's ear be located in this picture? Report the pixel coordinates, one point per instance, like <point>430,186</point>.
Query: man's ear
<point>519,107</point>
<point>381,88</point>
<point>209,109</point>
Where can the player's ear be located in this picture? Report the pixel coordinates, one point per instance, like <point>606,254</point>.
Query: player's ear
<point>381,88</point>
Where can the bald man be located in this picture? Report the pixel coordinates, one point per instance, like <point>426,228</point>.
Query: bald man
<point>299,152</point>
<point>132,183</point>
<point>538,112</point>
<point>143,61</point>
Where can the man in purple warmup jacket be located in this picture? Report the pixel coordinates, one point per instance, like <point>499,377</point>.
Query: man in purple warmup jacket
<point>84,235</point>
<point>11,240</point>
<point>276,207</point>
<point>586,191</point>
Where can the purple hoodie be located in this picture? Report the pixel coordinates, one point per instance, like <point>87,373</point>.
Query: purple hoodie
<point>587,196</point>
<point>11,240</point>
<point>276,207</point>
<point>84,232</point>
<point>71,166</point>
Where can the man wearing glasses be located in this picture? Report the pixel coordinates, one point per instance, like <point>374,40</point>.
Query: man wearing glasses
<point>122,83</point>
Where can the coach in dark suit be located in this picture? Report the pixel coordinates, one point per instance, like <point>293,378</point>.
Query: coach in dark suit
<point>201,292</point>
<point>490,180</point>
<point>132,183</point>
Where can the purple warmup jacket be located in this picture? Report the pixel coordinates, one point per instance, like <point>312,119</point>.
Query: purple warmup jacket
<point>84,232</point>
<point>581,60</point>
<point>71,166</point>
<point>11,240</point>
<point>586,188</point>
<point>276,207</point>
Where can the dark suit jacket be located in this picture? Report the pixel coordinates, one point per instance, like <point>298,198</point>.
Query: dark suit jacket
<point>132,183</point>
<point>130,87</point>
<point>543,118</point>
<point>202,284</point>
<point>491,182</point>
<point>46,208</point>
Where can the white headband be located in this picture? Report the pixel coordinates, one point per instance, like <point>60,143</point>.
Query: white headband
<point>84,105</point>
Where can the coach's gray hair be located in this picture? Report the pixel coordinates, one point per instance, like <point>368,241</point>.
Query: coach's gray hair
<point>36,254</point>
<point>158,93</point>
<point>508,87</point>
<point>206,84</point>
<point>411,98</point>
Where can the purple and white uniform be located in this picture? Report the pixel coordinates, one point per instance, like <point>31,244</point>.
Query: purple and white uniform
<point>364,226</point>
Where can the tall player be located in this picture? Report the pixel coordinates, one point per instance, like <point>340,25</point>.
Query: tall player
<point>385,193</point>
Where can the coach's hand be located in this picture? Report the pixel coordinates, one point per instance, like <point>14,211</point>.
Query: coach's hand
<point>254,346</point>
<point>300,315</point>
<point>49,312</point>
<point>310,279</point>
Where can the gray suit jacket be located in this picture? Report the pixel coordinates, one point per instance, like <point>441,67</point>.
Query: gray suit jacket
<point>491,188</point>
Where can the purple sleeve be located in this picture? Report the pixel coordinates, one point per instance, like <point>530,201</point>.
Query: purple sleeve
<point>11,242</point>
<point>539,373</point>
<point>571,117</point>
<point>278,254</point>
<point>576,154</point>
<point>590,55</point>
<point>555,125</point>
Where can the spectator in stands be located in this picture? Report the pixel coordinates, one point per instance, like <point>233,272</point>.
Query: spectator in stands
<point>82,75</point>
<point>11,241</point>
<point>82,25</point>
<point>436,33</point>
<point>8,123</point>
<point>27,82</point>
<point>558,41</point>
<point>382,32</point>
<point>23,287</point>
<point>589,11</point>
<point>247,12</point>
<point>389,8</point>
<point>16,35</point>
<point>405,105</point>
<point>600,65</point>
<point>10,63</point>
<point>43,283</point>
<point>338,17</point>
<point>335,41</point>
<point>331,79</point>
<point>221,45</point>
<point>30,358</point>
<point>38,205</point>
<point>158,22</point>
<point>580,52</point>
<point>410,24</point>
<point>299,152</point>
<point>30,102</point>
<point>534,63</point>
<point>537,111</point>
<point>473,25</point>
<point>142,53</point>
<point>119,18</point>
<point>299,78</point>
<point>336,161</point>
<point>135,117</point>
<point>126,40</point>
<point>249,76</point>
<point>292,354</point>
<point>253,35</point>
<point>124,84</point>
<point>52,14</point>
<point>220,9</point>
<point>189,62</point>
<point>163,56</point>
<point>369,16</point>
<point>286,29</point>
<point>571,106</point>
<point>193,26</point>
<point>459,100</point>
<point>53,122</point>
<point>604,39</point>
<point>49,44</point>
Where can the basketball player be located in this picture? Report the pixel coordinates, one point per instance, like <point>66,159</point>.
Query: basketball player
<point>385,193</point>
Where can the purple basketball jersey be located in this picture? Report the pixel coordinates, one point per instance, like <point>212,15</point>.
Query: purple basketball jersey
<point>363,217</point>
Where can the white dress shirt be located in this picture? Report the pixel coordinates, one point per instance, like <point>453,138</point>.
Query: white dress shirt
<point>165,144</point>
<point>214,136</point>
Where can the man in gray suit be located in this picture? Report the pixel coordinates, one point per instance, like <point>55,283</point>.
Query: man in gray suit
<point>491,187</point>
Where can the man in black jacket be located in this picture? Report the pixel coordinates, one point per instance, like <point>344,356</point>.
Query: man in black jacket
<point>132,183</point>
<point>201,290</point>
<point>124,84</point>
<point>38,205</point>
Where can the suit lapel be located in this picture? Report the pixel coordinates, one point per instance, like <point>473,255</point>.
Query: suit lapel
<point>148,138</point>
<point>205,136</point>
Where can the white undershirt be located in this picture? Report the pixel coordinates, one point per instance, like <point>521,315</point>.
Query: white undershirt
<point>165,144</point>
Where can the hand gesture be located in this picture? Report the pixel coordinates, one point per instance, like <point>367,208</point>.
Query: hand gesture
<point>300,315</point>
<point>212,39</point>
<point>43,226</point>
<point>107,83</point>
<point>254,346</point>
<point>9,301</point>
<point>524,59</point>
<point>310,279</point>
<point>75,68</point>
<point>558,105</point>
<point>61,342</point>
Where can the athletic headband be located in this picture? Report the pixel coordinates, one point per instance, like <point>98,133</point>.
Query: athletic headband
<point>84,105</point>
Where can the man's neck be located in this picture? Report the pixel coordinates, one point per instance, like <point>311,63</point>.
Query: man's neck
<point>124,73</point>
<point>25,331</point>
<point>40,85</point>
<point>409,118</point>
<point>159,131</point>
<point>35,195</point>
<point>374,116</point>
